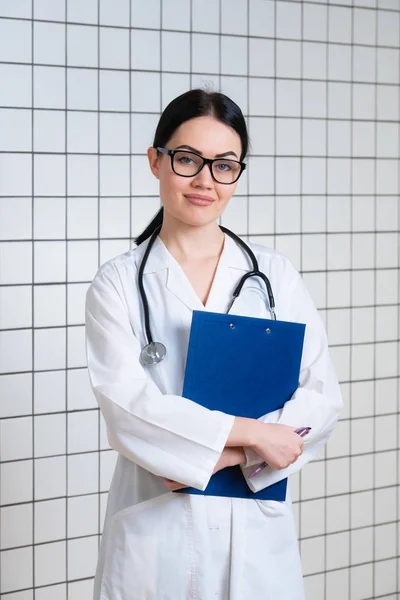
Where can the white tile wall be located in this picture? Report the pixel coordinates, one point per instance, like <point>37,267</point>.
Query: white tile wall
<point>318,83</point>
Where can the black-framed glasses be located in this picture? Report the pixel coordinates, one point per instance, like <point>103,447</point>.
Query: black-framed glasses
<point>188,164</point>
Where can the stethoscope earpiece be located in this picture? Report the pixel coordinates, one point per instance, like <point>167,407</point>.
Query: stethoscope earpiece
<point>155,352</point>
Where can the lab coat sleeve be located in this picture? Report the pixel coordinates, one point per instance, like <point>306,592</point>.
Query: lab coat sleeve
<point>168,435</point>
<point>317,401</point>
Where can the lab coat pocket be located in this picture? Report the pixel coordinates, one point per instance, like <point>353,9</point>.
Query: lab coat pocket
<point>271,532</point>
<point>279,522</point>
<point>146,542</point>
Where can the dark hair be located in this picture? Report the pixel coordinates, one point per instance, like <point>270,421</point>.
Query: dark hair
<point>192,104</point>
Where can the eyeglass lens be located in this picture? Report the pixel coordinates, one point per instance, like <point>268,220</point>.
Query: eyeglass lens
<point>188,164</point>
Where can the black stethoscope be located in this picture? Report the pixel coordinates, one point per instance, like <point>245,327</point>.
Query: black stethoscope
<point>154,352</point>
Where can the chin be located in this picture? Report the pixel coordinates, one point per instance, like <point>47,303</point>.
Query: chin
<point>199,222</point>
<point>199,217</point>
<point>202,218</point>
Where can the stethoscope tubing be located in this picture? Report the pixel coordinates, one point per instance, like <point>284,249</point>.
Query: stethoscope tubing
<point>142,291</point>
<point>254,273</point>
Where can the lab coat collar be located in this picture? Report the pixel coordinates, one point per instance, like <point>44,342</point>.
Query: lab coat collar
<point>232,259</point>
<point>156,261</point>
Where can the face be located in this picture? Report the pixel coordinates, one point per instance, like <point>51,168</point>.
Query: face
<point>208,137</point>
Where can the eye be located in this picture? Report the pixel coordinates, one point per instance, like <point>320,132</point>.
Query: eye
<point>186,160</point>
<point>224,167</point>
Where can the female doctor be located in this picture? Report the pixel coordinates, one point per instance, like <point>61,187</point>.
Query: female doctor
<point>157,544</point>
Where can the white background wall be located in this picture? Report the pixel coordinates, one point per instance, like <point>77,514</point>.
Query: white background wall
<point>82,85</point>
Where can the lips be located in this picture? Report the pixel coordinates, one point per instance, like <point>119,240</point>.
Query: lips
<point>199,200</point>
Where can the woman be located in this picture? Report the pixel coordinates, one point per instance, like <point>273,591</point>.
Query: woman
<point>156,544</point>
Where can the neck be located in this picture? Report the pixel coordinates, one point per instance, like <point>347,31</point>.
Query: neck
<point>186,242</point>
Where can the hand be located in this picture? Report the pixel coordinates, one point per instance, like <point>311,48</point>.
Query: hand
<point>278,445</point>
<point>229,458</point>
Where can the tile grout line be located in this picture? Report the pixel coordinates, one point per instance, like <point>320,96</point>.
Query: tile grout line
<point>66,296</point>
<point>351,299</point>
<point>99,218</point>
<point>33,299</point>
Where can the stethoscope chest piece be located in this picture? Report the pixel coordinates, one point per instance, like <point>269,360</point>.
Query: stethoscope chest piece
<point>153,353</point>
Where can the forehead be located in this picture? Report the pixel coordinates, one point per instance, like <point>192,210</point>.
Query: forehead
<point>207,135</point>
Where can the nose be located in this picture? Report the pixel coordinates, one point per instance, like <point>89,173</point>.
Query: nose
<point>204,178</point>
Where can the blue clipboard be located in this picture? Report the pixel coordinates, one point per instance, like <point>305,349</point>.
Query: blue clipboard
<point>243,366</point>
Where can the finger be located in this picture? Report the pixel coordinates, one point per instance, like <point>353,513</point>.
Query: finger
<point>173,485</point>
<point>169,483</point>
<point>178,486</point>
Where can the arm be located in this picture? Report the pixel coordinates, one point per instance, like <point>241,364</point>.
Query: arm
<point>317,401</point>
<point>230,457</point>
<point>166,434</point>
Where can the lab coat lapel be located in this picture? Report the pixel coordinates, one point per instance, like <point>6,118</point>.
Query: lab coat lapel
<point>177,281</point>
<point>180,286</point>
<point>161,260</point>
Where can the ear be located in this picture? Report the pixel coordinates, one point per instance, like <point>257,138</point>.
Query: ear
<point>154,161</point>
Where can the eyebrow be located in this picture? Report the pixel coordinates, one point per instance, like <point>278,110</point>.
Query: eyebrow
<point>198,151</point>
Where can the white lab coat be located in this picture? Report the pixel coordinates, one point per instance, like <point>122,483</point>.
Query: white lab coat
<point>158,545</point>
